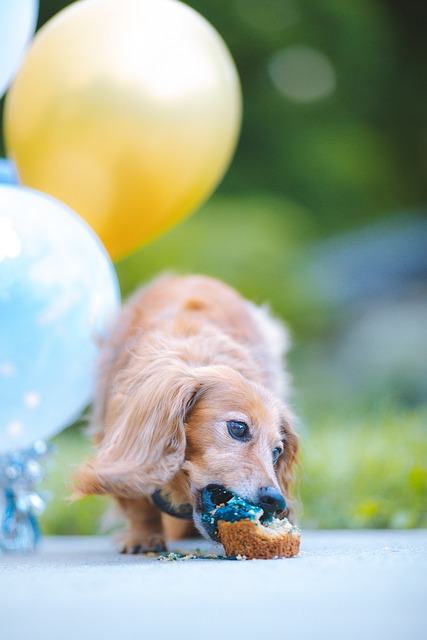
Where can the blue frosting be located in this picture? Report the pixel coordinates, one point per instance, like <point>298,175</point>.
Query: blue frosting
<point>233,509</point>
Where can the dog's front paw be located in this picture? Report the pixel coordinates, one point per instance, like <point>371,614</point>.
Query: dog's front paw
<point>142,543</point>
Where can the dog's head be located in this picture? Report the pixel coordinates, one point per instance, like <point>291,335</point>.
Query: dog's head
<point>185,429</point>
<point>239,437</point>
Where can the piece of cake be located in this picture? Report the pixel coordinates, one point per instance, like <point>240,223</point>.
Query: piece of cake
<point>243,532</point>
<point>252,539</point>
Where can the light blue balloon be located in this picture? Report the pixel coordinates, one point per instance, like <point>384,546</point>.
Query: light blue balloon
<point>18,19</point>
<point>58,293</point>
<point>8,174</point>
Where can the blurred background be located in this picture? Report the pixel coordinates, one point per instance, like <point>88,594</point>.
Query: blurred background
<point>322,214</point>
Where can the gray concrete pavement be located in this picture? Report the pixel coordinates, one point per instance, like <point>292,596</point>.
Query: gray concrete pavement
<point>343,585</point>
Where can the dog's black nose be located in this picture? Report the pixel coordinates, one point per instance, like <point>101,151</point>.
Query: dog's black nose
<point>271,501</point>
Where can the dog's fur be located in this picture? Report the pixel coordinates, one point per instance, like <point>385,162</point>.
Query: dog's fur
<point>186,355</point>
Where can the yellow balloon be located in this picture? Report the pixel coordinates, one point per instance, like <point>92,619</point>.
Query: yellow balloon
<point>128,111</point>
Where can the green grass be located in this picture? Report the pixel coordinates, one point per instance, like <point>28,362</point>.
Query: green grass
<point>368,471</point>
<point>357,471</point>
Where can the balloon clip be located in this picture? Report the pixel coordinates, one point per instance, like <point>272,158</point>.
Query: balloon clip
<point>20,503</point>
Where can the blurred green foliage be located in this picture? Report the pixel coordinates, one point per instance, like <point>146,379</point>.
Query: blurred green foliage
<point>305,171</point>
<point>366,471</point>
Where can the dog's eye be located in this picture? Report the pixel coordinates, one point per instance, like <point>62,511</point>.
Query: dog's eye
<point>277,451</point>
<point>238,430</point>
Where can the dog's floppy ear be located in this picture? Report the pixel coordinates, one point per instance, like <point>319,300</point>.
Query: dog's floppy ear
<point>286,464</point>
<point>143,447</point>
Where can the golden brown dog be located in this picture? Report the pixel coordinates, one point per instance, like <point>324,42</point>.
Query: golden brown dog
<point>188,396</point>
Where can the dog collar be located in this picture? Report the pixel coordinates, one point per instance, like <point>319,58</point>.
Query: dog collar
<point>183,511</point>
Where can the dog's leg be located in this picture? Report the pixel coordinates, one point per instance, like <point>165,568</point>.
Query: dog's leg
<point>145,531</point>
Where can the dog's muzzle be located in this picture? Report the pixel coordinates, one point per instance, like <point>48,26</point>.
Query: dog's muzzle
<point>215,502</point>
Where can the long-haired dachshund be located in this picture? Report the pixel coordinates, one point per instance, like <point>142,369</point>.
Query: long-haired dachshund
<point>188,397</point>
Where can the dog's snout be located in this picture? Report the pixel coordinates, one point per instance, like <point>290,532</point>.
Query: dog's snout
<point>271,501</point>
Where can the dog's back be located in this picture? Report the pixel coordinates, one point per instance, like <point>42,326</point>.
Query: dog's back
<point>191,305</point>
